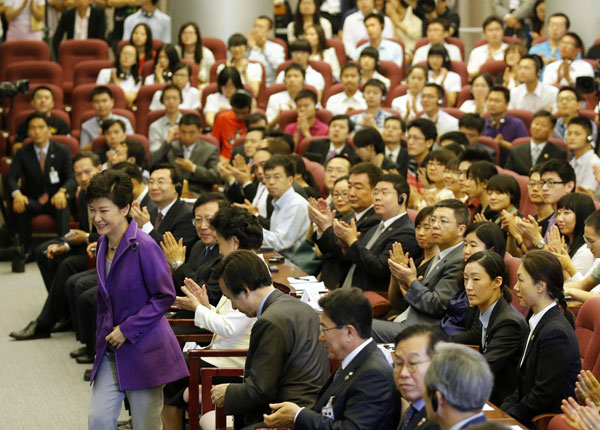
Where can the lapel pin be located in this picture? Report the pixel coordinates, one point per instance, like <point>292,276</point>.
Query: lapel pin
<point>545,155</point>
<point>390,229</point>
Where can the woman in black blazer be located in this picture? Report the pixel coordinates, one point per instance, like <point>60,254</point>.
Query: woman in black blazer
<point>551,362</point>
<point>501,334</point>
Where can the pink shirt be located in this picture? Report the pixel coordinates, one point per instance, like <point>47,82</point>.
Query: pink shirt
<point>319,128</point>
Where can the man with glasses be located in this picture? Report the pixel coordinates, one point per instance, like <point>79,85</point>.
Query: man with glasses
<point>566,71</point>
<point>165,128</point>
<point>413,353</point>
<point>584,287</point>
<point>558,25</point>
<point>427,299</point>
<point>432,98</point>
<point>568,103</point>
<point>420,137</point>
<point>343,401</point>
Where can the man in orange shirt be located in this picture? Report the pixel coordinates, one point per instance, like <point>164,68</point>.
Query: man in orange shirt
<point>231,124</point>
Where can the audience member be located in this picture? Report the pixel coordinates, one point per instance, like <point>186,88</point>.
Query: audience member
<point>141,39</point>
<point>103,102</point>
<point>370,147</point>
<point>307,125</point>
<point>514,14</point>
<point>568,103</point>
<point>191,48</point>
<point>437,32</point>
<point>307,14</point>
<point>261,49</point>
<point>165,128</point>
<point>232,124</point>
<point>407,25</point>
<point>323,150</point>
<point>190,95</point>
<point>478,175</point>
<point>354,29</point>
<point>523,157</point>
<point>228,82</point>
<point>284,336</point>
<point>81,22</point>
<point>351,98</point>
<point>337,167</point>
<point>409,105</point>
<point>420,138</point>
<point>481,84</point>
<point>493,31</point>
<point>432,99</point>
<point>442,11</point>
<point>293,80</point>
<point>374,116</point>
<point>580,140</point>
<point>509,78</point>
<point>149,14</point>
<point>125,74</point>
<point>300,51</point>
<point>368,62</point>
<point>166,59</point>
<point>569,68</point>
<point>434,177</point>
<point>315,36</point>
<point>393,129</point>
<point>532,95</point>
<point>387,49</point>
<point>251,73</point>
<point>558,25</point>
<point>25,20</point>
<point>440,72</point>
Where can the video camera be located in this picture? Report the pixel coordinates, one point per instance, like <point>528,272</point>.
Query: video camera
<point>11,89</point>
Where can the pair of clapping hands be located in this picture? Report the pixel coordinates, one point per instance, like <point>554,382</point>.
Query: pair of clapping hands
<point>583,413</point>
<point>321,214</point>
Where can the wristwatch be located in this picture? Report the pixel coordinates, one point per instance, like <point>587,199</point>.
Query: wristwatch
<point>175,264</point>
<point>540,244</point>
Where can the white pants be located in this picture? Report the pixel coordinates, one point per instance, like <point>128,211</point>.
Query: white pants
<point>146,405</point>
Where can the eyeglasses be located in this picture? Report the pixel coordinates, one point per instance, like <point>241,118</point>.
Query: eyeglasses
<point>443,221</point>
<point>324,329</point>
<point>589,242</point>
<point>550,183</point>
<point>196,222</point>
<point>411,367</point>
<point>340,195</point>
<point>382,193</point>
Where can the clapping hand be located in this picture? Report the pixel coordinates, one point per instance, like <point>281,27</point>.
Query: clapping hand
<point>346,233</point>
<point>587,387</point>
<point>253,210</point>
<point>194,296</point>
<point>580,417</point>
<point>479,217</point>
<point>555,239</point>
<point>174,250</point>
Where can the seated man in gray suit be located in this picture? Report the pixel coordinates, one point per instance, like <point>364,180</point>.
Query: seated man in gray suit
<point>286,361</point>
<point>194,158</point>
<point>343,401</point>
<point>428,298</point>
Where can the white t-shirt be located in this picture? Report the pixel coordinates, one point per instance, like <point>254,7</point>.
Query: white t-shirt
<point>480,54</point>
<point>400,104</point>
<point>191,99</point>
<point>216,102</point>
<point>312,77</point>
<point>128,84</point>
<point>339,103</point>
<point>277,103</point>
<point>452,83</point>
<point>577,68</point>
<point>253,73</point>
<point>421,53</point>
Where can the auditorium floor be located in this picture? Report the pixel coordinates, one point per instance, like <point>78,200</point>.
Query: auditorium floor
<point>41,387</point>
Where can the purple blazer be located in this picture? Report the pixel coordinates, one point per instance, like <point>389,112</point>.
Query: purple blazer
<point>137,294</point>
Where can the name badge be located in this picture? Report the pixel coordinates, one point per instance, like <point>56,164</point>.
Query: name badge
<point>54,179</point>
<point>327,410</point>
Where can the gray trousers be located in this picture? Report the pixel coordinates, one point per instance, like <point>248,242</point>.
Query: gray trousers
<point>146,405</point>
<point>386,331</point>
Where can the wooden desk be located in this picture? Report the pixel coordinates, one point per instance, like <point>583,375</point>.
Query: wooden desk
<point>499,416</point>
<point>286,269</point>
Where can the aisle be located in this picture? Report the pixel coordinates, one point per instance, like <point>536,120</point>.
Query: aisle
<point>41,387</point>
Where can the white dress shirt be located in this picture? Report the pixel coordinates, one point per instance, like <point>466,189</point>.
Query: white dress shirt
<point>148,227</point>
<point>400,104</point>
<point>380,77</point>
<point>543,97</point>
<point>577,68</point>
<point>271,57</point>
<point>533,322</point>
<point>422,52</point>
<point>311,77</point>
<point>159,130</point>
<point>354,31</point>
<point>128,85</point>
<point>260,199</point>
<point>190,95</point>
<point>339,103</point>
<point>277,103</point>
<point>348,359</point>
<point>584,170</point>
<point>480,54</point>
<point>81,25</point>
<point>216,102</point>
<point>330,57</point>
<point>452,83</point>
<point>445,122</point>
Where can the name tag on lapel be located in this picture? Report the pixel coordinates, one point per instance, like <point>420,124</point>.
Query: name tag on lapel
<point>327,410</point>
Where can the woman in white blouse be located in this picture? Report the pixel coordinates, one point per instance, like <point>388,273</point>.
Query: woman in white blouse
<point>307,13</point>
<point>572,211</point>
<point>166,59</point>
<point>480,87</point>
<point>251,73</point>
<point>410,103</point>
<point>228,81</point>
<point>125,74</point>
<point>191,48</point>
<point>439,71</point>
<point>315,36</point>
<point>181,78</point>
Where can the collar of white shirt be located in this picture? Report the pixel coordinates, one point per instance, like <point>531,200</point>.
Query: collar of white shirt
<point>584,159</point>
<point>346,361</point>
<point>535,319</point>
<point>387,223</point>
<point>393,155</point>
<point>359,215</point>
<point>443,254</point>
<point>165,210</point>
<point>142,195</point>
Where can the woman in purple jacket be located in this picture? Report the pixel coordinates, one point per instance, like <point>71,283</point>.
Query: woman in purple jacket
<point>136,350</point>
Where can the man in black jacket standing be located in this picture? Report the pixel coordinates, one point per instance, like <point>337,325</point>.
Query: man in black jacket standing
<point>80,22</point>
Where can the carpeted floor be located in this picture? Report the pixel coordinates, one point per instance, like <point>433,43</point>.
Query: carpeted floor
<point>41,387</point>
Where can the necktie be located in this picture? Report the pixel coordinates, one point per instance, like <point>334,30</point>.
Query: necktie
<point>535,153</point>
<point>410,413</point>
<point>348,281</point>
<point>158,220</point>
<point>331,154</point>
<point>434,263</point>
<point>42,161</point>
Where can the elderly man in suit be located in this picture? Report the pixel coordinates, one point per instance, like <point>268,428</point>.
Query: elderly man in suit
<point>194,158</point>
<point>81,22</point>
<point>47,169</point>
<point>523,157</point>
<point>428,298</point>
<point>458,384</point>
<point>286,361</point>
<point>343,401</point>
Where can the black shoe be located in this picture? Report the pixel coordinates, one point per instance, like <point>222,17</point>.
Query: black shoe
<point>32,331</point>
<point>84,359</point>
<point>87,375</point>
<point>63,325</point>
<point>77,352</point>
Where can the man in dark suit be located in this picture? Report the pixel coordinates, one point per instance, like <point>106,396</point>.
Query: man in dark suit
<point>369,253</point>
<point>194,158</point>
<point>47,169</point>
<point>171,213</point>
<point>343,401</point>
<point>428,298</point>
<point>322,150</point>
<point>522,157</point>
<point>80,22</point>
<point>371,148</point>
<point>393,128</point>
<point>286,361</point>
<point>362,180</point>
<point>458,384</point>
<point>414,350</point>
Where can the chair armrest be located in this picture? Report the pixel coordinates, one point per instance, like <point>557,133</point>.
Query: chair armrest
<point>181,322</point>
<point>541,421</point>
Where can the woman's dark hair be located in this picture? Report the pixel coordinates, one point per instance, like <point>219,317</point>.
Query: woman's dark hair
<point>198,48</point>
<point>423,214</point>
<point>148,48</point>
<point>232,221</point>
<point>583,206</point>
<point>237,39</point>
<point>229,73</point>
<point>544,266</point>
<point>322,44</point>
<point>369,136</point>
<point>441,155</point>
<point>112,184</point>
<point>171,54</point>
<point>299,20</point>
<point>241,270</point>
<point>506,184</point>
<point>439,49</point>
<point>490,234</point>
<point>486,77</point>
<point>536,23</point>
<point>135,69</point>
<point>482,171</point>
<point>301,169</point>
<point>494,266</point>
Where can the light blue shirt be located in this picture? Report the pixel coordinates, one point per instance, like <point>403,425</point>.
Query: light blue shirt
<point>271,57</point>
<point>380,117</point>
<point>545,50</point>
<point>485,320</point>
<point>160,23</point>
<point>289,223</point>
<point>92,128</point>
<point>388,51</point>
<point>262,304</point>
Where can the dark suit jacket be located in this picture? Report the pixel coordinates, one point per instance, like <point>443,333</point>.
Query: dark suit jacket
<point>286,361</point>
<point>66,25</point>
<point>519,158</point>
<point>372,272</point>
<point>318,150</point>
<point>414,422</point>
<point>354,406</point>
<point>179,222</point>
<point>475,420</point>
<point>549,371</point>
<point>429,298</point>
<point>204,156</point>
<point>335,267</point>
<point>504,341</point>
<point>402,161</point>
<point>198,267</point>
<point>25,164</point>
